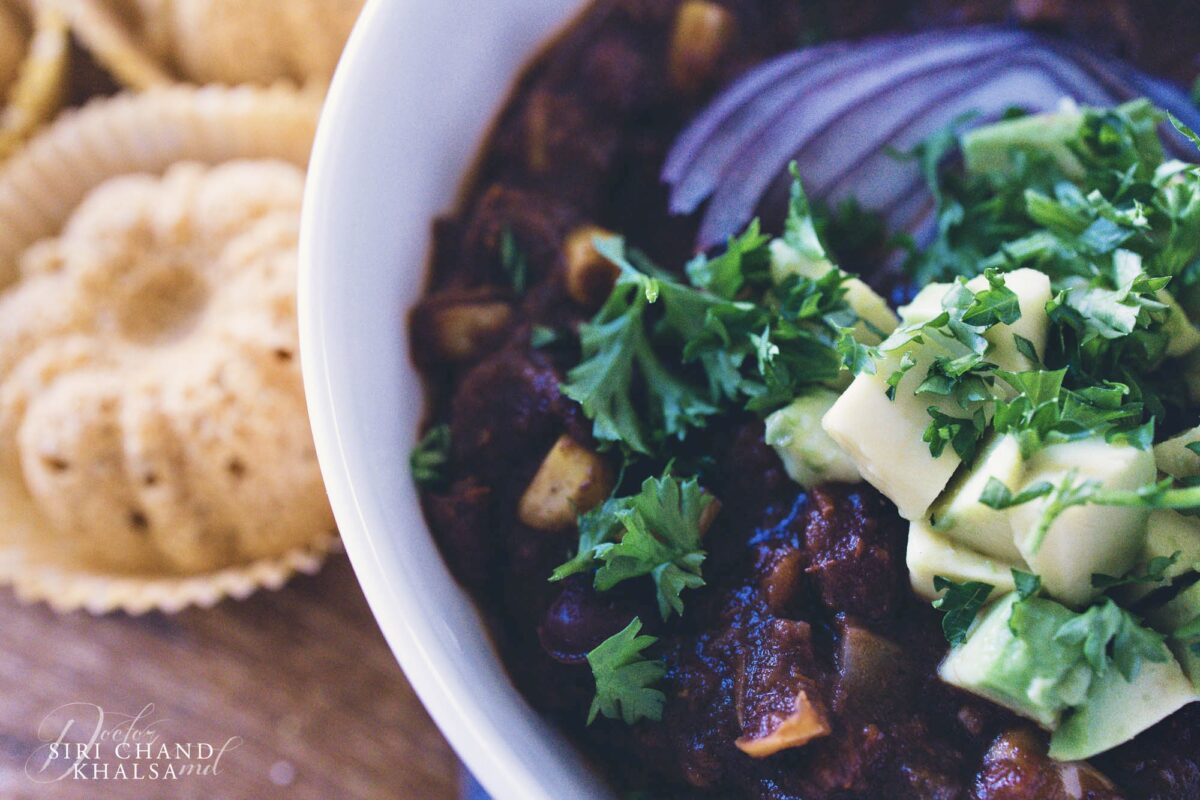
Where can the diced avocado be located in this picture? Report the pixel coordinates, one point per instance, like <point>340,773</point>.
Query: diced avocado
<point>1033,292</point>
<point>1032,289</point>
<point>992,148</point>
<point>1011,657</point>
<point>1184,336</point>
<point>930,554</point>
<point>960,516</point>
<point>876,319</point>
<point>1167,533</point>
<point>884,437</point>
<point>926,305</point>
<point>1174,458</point>
<point>808,454</point>
<point>1083,539</point>
<point>1188,659</point>
<point>1116,710</point>
<point>1180,611</point>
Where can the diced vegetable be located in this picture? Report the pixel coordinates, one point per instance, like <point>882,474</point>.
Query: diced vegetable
<point>703,31</point>
<point>809,455</point>
<point>1176,458</point>
<point>959,515</point>
<point>931,555</point>
<point>571,480</point>
<point>1067,548</point>
<point>589,275</point>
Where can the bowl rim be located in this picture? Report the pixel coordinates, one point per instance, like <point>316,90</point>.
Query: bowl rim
<point>500,760</point>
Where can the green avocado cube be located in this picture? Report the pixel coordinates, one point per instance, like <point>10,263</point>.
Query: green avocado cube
<point>1012,658</point>
<point>992,148</point>
<point>929,555</point>
<point>1116,710</point>
<point>960,516</point>
<point>1086,539</point>
<point>808,454</point>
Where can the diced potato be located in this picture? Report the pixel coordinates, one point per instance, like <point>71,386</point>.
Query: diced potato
<point>884,437</point>
<point>1084,539</point>
<point>808,454</point>
<point>1174,458</point>
<point>959,515</point>
<point>703,32</point>
<point>463,328</point>
<point>806,722</point>
<point>931,554</point>
<point>571,480</point>
<point>1033,292</point>
<point>590,276</point>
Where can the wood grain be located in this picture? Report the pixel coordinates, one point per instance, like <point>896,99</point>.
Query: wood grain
<point>302,675</point>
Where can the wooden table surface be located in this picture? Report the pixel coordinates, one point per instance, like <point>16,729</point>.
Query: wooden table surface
<point>302,676</point>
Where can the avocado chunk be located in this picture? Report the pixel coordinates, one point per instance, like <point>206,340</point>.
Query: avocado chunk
<point>1083,539</point>
<point>884,437</point>
<point>1012,658</point>
<point>993,148</point>
<point>1184,336</point>
<point>1184,608</point>
<point>1116,710</point>
<point>960,516</point>
<point>808,454</point>
<point>876,319</point>
<point>930,554</point>
<point>1174,458</point>
<point>1167,533</point>
<point>1032,289</point>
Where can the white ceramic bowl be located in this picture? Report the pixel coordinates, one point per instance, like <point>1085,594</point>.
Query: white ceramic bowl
<point>408,110</point>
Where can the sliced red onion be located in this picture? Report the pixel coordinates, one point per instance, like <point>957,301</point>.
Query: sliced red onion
<point>839,109</point>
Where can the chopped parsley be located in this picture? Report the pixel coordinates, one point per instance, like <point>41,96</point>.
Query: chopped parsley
<point>513,261</point>
<point>625,679</point>
<point>1110,635</point>
<point>655,532</point>
<point>430,459</point>
<point>663,357</point>
<point>960,604</point>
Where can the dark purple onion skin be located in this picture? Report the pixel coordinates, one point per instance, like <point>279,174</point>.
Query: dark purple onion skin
<point>838,109</point>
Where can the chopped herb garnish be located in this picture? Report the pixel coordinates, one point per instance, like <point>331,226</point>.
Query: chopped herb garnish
<point>542,336</point>
<point>513,261</point>
<point>655,532</point>
<point>1028,585</point>
<point>1155,572</point>
<point>624,679</point>
<point>961,604</point>
<point>1110,634</point>
<point>430,459</point>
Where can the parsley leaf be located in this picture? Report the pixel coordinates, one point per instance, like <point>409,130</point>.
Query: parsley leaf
<point>1110,634</point>
<point>542,336</point>
<point>513,261</point>
<point>624,678</point>
<point>1155,573</point>
<point>617,350</point>
<point>999,497</point>
<point>430,459</point>
<point>661,539</point>
<point>961,603</point>
<point>1027,585</point>
<point>655,532</point>
<point>746,258</point>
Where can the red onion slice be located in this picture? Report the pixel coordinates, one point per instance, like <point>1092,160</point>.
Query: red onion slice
<point>838,109</point>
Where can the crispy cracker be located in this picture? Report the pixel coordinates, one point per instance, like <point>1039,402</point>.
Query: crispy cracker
<point>161,457</point>
<point>146,43</point>
<point>37,89</point>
